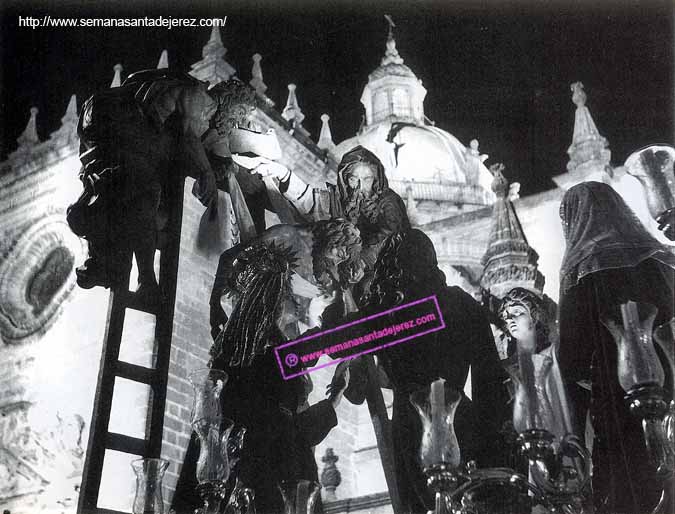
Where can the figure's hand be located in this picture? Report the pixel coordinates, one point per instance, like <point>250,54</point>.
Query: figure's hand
<point>335,390</point>
<point>666,221</point>
<point>272,169</point>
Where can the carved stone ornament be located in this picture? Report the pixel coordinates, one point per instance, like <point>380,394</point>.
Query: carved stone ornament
<point>36,275</point>
<point>330,476</point>
<point>43,462</point>
<point>18,478</point>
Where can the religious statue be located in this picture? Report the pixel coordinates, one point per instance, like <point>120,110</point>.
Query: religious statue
<point>131,139</point>
<point>362,196</point>
<point>407,270</point>
<point>609,259</point>
<point>474,160</point>
<point>281,428</point>
<point>235,150</point>
<point>327,262</point>
<point>534,363</point>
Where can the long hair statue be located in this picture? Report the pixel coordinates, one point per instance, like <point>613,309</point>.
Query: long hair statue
<point>260,286</point>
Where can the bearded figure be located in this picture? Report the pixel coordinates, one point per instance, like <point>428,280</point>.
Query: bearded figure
<point>326,264</point>
<point>361,196</point>
<point>366,200</point>
<point>407,270</point>
<point>234,145</point>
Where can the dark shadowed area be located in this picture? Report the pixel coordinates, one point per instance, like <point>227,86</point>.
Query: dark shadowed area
<point>496,71</point>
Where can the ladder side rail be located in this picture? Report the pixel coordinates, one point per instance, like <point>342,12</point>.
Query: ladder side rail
<point>168,280</point>
<point>100,419</point>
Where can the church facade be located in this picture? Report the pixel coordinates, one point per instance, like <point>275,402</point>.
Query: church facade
<point>486,237</point>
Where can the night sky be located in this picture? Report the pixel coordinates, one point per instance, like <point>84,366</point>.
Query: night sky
<point>496,71</point>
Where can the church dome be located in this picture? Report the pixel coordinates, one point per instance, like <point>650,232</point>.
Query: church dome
<point>421,161</point>
<point>398,70</point>
<point>441,167</point>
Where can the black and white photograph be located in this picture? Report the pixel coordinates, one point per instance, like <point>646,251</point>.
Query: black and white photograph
<point>337,257</point>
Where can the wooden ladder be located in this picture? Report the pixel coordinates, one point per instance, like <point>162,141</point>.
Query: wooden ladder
<point>111,368</point>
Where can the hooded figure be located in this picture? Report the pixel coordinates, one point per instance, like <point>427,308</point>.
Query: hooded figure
<point>407,270</point>
<point>610,259</point>
<point>366,200</point>
<point>361,196</point>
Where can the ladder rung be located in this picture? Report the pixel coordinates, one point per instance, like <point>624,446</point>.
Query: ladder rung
<point>131,303</point>
<point>121,299</point>
<point>126,444</point>
<point>135,372</point>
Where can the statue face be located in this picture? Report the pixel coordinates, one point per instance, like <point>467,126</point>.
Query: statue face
<point>240,115</point>
<point>288,315</point>
<point>519,322</point>
<point>337,254</point>
<point>361,177</point>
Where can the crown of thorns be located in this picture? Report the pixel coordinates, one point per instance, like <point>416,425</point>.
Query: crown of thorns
<point>262,259</point>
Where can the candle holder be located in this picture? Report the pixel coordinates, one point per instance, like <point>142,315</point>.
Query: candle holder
<point>559,476</point>
<point>213,431</point>
<point>436,405</point>
<point>559,467</point>
<point>299,496</point>
<point>642,377</point>
<point>631,327</point>
<point>558,463</point>
<point>439,449</point>
<point>149,475</point>
<point>442,479</point>
<point>665,338</point>
<point>482,487</point>
<point>653,167</point>
<point>532,407</point>
<point>242,500</point>
<point>559,470</point>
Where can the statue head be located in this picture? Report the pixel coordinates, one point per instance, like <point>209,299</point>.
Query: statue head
<point>361,181</point>
<point>406,268</point>
<point>236,104</point>
<point>260,285</point>
<point>336,253</point>
<point>524,318</point>
<point>361,176</point>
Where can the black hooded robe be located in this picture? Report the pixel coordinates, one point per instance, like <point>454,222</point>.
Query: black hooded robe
<point>610,259</point>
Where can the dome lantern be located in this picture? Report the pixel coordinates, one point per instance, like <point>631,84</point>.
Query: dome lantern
<point>393,92</point>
